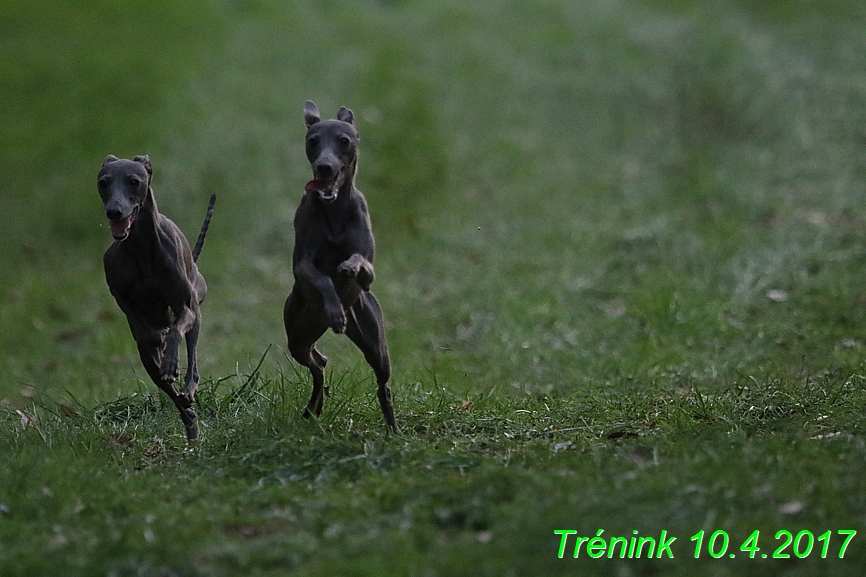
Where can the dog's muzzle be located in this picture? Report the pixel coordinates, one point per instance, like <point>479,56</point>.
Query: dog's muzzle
<point>121,225</point>
<point>326,188</point>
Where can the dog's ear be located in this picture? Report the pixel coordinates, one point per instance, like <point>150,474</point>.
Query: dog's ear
<point>145,160</point>
<point>346,115</point>
<point>311,113</point>
<point>109,158</point>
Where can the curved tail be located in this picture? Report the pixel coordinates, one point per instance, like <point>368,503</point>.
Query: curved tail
<point>200,242</point>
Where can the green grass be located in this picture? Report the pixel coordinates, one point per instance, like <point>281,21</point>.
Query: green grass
<point>621,255</point>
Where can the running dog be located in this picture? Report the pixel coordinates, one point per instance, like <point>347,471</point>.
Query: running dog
<point>333,261</point>
<point>152,274</point>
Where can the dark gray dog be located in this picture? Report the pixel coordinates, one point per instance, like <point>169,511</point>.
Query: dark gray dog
<point>152,275</point>
<point>333,261</point>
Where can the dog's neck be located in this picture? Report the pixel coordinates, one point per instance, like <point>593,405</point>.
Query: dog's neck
<point>144,229</point>
<point>349,183</point>
<point>353,170</point>
<point>148,210</point>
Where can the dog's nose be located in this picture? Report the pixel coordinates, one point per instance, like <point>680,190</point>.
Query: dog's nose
<point>113,214</point>
<point>324,170</point>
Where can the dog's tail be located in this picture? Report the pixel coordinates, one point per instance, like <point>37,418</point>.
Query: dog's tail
<point>200,242</point>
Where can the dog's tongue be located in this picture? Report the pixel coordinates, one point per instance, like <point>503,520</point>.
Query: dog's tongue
<point>317,185</point>
<point>120,227</point>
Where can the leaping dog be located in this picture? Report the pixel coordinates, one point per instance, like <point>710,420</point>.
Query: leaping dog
<point>152,274</point>
<point>333,261</point>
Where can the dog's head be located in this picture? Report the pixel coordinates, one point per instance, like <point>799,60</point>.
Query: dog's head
<point>332,152</point>
<point>123,186</point>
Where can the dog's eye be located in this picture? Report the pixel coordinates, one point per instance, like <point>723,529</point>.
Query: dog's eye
<point>312,141</point>
<point>102,186</point>
<point>134,182</point>
<point>345,142</point>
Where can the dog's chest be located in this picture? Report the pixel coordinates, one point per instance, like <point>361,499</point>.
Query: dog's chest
<point>332,250</point>
<point>144,283</point>
<point>332,240</point>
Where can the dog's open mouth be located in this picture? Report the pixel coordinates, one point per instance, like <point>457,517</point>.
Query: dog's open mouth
<point>120,227</point>
<point>327,188</point>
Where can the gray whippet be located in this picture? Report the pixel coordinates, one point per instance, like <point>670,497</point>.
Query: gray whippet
<point>333,261</point>
<point>151,273</point>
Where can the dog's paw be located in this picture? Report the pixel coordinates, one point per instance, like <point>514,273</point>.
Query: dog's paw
<point>339,326</point>
<point>365,279</point>
<point>337,320</point>
<point>348,268</point>
<point>187,415</point>
<point>169,369</point>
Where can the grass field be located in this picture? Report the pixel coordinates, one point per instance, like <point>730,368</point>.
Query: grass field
<point>621,249</point>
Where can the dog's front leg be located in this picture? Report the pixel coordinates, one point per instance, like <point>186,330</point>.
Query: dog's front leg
<point>146,337</point>
<point>307,273</point>
<point>186,319</point>
<point>187,325</point>
<point>358,268</point>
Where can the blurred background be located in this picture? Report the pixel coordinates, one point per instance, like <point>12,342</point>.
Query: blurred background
<point>564,194</point>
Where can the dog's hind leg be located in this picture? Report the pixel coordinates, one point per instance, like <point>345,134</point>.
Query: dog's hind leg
<point>192,377</point>
<point>366,328</point>
<point>309,357</point>
<point>317,370</point>
<point>191,380</point>
<point>302,334</point>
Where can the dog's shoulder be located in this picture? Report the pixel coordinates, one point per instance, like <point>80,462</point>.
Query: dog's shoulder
<point>305,213</point>
<point>360,208</point>
<point>119,275</point>
<point>176,242</point>
<point>110,260</point>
